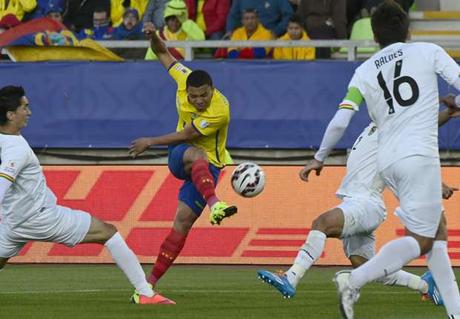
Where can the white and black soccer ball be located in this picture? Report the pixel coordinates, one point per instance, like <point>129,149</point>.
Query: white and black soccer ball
<point>248,179</point>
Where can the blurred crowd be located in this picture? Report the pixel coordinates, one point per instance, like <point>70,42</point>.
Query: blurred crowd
<point>203,20</point>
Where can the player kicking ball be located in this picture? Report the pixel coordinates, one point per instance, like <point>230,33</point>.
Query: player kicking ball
<point>197,152</point>
<point>29,208</point>
<point>355,219</point>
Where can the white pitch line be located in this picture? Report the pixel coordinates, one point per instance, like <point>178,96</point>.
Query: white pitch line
<point>58,291</point>
<point>178,290</point>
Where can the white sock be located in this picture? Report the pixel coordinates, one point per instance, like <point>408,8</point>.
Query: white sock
<point>129,264</point>
<point>405,279</point>
<point>308,254</point>
<point>440,266</point>
<point>391,258</point>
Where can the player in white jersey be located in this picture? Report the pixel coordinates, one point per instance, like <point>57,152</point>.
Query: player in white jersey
<point>362,210</point>
<point>399,84</point>
<point>29,209</point>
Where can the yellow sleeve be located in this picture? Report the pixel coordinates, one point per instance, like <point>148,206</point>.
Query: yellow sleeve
<point>236,36</point>
<point>116,12</point>
<point>278,54</point>
<point>208,125</point>
<point>28,5</point>
<point>267,36</point>
<point>140,6</point>
<point>310,53</point>
<point>179,73</point>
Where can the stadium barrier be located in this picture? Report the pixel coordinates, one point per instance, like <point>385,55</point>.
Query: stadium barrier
<point>106,105</point>
<point>351,46</point>
<point>141,202</point>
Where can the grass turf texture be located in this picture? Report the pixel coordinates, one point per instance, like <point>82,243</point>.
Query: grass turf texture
<point>101,291</point>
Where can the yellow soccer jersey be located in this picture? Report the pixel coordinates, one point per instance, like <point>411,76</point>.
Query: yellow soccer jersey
<point>211,123</point>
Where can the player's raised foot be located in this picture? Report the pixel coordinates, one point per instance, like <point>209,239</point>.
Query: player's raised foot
<point>156,299</point>
<point>221,210</point>
<point>279,281</point>
<point>433,292</point>
<point>347,296</point>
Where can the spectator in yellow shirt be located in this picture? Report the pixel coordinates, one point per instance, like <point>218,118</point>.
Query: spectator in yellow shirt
<point>251,30</point>
<point>178,27</point>
<point>295,31</point>
<point>117,9</point>
<point>16,7</point>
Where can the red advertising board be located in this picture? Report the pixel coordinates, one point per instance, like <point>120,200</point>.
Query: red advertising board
<point>268,229</point>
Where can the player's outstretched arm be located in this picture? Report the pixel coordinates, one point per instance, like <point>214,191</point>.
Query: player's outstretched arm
<point>332,136</point>
<point>140,145</point>
<point>314,165</point>
<point>159,48</point>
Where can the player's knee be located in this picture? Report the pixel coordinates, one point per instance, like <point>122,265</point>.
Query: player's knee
<point>195,153</point>
<point>106,232</point>
<point>110,230</point>
<point>319,224</point>
<point>324,224</point>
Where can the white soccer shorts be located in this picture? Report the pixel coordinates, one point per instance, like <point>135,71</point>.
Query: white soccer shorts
<point>57,224</point>
<point>416,181</point>
<point>361,216</point>
<point>359,245</point>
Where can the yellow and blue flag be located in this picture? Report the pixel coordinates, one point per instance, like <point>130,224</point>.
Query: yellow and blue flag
<point>45,39</point>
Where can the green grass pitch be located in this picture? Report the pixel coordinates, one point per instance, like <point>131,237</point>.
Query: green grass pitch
<point>101,291</point>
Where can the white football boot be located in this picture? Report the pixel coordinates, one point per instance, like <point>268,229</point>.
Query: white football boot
<point>347,295</point>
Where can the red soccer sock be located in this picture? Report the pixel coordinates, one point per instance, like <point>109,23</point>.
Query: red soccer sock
<point>203,181</point>
<point>169,250</point>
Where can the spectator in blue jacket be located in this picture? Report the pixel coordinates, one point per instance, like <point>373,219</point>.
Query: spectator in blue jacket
<point>130,28</point>
<point>273,14</point>
<point>43,8</point>
<point>102,30</point>
<point>54,12</point>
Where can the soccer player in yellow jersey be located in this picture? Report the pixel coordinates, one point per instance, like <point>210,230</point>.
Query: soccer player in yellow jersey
<point>197,152</point>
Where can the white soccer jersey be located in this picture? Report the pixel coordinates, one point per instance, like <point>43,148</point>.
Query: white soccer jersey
<point>361,180</point>
<point>400,87</point>
<point>28,194</point>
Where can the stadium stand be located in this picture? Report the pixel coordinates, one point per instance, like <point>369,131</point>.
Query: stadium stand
<point>436,25</point>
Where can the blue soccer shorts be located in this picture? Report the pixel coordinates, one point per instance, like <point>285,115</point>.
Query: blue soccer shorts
<point>188,193</point>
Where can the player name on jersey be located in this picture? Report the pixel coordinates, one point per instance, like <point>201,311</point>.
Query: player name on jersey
<point>388,58</point>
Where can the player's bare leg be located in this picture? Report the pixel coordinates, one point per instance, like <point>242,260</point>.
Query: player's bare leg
<point>327,225</point>
<point>197,166</point>
<point>107,235</point>
<point>174,241</point>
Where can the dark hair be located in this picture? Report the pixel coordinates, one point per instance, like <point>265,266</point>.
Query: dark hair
<point>102,8</point>
<point>295,18</point>
<point>10,100</point>
<point>390,23</point>
<point>250,10</point>
<point>198,78</point>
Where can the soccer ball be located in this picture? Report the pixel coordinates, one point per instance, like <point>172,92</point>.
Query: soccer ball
<point>248,179</point>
